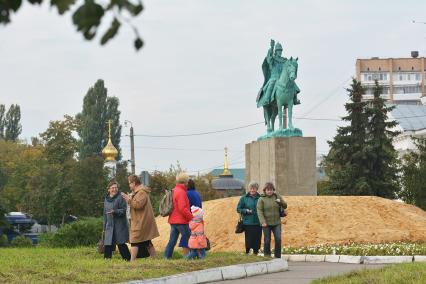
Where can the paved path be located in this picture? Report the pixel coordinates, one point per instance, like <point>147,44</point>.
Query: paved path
<point>303,273</point>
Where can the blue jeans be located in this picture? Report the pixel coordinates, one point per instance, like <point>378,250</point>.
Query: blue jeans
<point>196,253</point>
<point>276,230</point>
<point>175,230</point>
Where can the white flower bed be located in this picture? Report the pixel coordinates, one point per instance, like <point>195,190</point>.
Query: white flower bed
<point>360,249</point>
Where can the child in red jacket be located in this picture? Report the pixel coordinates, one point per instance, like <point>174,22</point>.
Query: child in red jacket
<point>197,241</point>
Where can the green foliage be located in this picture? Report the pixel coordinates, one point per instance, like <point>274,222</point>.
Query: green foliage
<point>323,188</point>
<point>3,222</point>
<point>85,232</point>
<point>60,143</point>
<point>36,182</point>
<point>12,123</point>
<point>3,241</point>
<point>21,241</point>
<point>111,32</point>
<point>2,121</point>
<point>92,128</point>
<point>87,15</point>
<point>121,176</point>
<point>414,177</point>
<point>20,164</point>
<point>383,162</point>
<point>89,187</point>
<point>87,18</point>
<point>346,160</point>
<point>362,160</point>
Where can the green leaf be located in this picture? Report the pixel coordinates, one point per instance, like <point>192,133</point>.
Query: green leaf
<point>87,18</point>
<point>6,7</point>
<point>62,5</point>
<point>35,1</point>
<point>111,32</point>
<point>134,9</point>
<point>138,43</point>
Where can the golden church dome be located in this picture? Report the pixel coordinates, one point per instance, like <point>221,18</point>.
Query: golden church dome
<point>109,152</point>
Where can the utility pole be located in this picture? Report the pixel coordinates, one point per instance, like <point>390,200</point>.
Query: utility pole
<point>132,147</point>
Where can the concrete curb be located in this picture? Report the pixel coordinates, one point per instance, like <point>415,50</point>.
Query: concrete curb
<point>354,259</point>
<point>220,273</point>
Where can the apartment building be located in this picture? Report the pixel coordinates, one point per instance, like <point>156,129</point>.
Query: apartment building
<point>403,79</point>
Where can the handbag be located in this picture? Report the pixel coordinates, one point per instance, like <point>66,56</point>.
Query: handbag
<point>208,244</point>
<point>283,213</point>
<point>101,246</point>
<point>240,226</point>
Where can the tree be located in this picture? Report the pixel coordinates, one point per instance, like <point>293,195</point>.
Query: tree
<point>12,123</point>
<point>20,164</point>
<point>60,147</point>
<point>414,175</point>
<point>2,120</point>
<point>4,224</point>
<point>60,143</point>
<point>346,163</point>
<point>92,128</point>
<point>89,182</point>
<point>383,159</point>
<point>87,16</point>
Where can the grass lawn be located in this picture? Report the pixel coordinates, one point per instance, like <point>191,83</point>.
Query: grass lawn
<point>407,273</point>
<point>85,265</point>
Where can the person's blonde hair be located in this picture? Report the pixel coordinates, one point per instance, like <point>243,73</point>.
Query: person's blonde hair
<point>182,177</point>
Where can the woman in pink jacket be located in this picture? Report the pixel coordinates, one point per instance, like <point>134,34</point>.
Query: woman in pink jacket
<point>197,241</point>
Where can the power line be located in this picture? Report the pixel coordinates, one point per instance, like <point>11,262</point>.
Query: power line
<point>225,130</point>
<point>249,125</point>
<point>183,149</point>
<point>200,133</point>
<point>332,93</point>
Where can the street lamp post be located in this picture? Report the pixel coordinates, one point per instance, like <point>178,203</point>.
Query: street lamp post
<point>132,146</point>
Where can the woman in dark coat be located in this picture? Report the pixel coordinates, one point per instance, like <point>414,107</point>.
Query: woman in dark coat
<point>247,208</point>
<point>116,229</point>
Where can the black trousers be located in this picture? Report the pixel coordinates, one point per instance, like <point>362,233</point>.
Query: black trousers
<point>253,237</point>
<point>124,251</point>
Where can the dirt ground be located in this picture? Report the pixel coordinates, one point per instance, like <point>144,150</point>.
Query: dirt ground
<point>316,220</point>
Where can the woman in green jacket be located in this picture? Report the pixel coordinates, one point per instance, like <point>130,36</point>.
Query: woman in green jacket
<point>268,210</point>
<point>247,208</point>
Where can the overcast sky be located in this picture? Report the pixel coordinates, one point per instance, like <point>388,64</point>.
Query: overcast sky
<point>200,68</point>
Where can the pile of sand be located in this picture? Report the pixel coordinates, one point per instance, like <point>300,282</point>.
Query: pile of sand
<point>316,220</point>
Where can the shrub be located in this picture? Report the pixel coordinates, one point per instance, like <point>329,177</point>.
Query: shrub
<point>85,232</point>
<point>21,241</point>
<point>3,241</point>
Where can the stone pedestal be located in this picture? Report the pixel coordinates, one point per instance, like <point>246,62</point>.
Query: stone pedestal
<point>288,162</point>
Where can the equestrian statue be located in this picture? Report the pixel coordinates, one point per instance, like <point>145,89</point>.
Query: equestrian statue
<point>279,90</point>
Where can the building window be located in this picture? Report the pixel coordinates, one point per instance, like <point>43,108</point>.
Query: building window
<point>417,76</point>
<point>406,89</point>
